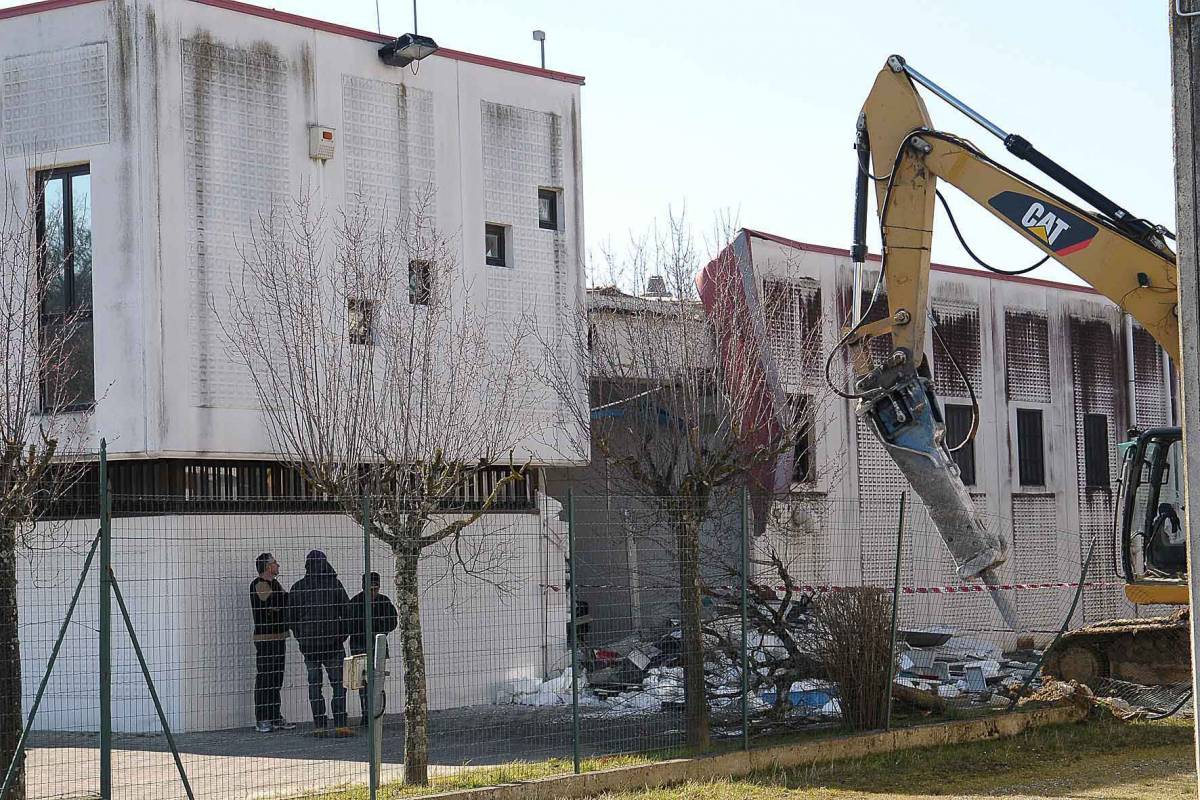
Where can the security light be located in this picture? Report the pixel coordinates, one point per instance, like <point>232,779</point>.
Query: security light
<point>408,48</point>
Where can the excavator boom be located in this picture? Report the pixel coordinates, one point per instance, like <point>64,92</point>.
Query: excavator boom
<point>1123,257</point>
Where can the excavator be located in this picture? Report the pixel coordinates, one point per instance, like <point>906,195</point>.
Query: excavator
<point>1124,257</point>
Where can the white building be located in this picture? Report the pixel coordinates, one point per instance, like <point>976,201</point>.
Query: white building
<point>167,127</point>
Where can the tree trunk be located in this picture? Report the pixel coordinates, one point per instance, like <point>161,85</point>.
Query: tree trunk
<point>10,663</point>
<point>416,698</point>
<point>687,546</point>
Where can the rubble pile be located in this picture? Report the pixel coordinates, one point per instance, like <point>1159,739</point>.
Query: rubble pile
<point>964,670</point>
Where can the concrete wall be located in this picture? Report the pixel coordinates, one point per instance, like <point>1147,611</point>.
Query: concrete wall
<point>194,121</point>
<point>186,580</point>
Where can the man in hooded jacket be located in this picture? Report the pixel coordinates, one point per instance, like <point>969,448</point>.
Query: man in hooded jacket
<point>320,621</point>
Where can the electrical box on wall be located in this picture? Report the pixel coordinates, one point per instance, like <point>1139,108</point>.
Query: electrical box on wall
<point>320,142</point>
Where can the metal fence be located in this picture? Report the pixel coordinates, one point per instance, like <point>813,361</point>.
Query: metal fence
<point>553,636</point>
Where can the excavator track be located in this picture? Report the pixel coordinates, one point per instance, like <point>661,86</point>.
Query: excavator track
<point>1153,652</point>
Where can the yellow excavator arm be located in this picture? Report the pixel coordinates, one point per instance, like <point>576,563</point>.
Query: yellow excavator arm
<point>1123,257</point>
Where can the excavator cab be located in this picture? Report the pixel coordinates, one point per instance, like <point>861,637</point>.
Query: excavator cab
<point>1153,542</point>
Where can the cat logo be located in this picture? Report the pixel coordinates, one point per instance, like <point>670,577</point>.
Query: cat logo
<point>1054,228</point>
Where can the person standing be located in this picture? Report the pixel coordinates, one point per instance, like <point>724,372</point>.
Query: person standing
<point>383,620</point>
<point>320,621</point>
<point>269,608</point>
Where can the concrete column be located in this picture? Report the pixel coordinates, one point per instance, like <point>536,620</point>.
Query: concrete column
<point>1185,72</point>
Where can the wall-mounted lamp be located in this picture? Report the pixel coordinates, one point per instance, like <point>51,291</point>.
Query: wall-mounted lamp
<point>408,48</point>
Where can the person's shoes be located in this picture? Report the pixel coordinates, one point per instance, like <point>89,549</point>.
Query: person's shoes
<point>320,731</point>
<point>263,727</point>
<point>282,724</point>
<point>343,732</point>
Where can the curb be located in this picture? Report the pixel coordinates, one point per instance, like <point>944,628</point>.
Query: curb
<point>740,763</point>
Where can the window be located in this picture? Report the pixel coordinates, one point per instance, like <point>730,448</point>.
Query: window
<point>548,209</point>
<point>1095,450</point>
<point>958,427</point>
<point>360,321</point>
<point>64,239</point>
<point>803,452</point>
<point>420,282</point>
<point>495,245</point>
<point>1031,463</point>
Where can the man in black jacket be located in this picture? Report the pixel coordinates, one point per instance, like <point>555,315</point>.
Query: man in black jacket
<point>269,608</point>
<point>383,620</point>
<point>320,622</point>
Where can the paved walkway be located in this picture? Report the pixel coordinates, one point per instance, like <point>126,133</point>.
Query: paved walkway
<point>241,764</point>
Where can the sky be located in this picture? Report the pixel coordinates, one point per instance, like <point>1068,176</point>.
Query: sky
<point>748,108</point>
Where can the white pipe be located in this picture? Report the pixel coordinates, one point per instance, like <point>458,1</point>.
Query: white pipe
<point>1130,375</point>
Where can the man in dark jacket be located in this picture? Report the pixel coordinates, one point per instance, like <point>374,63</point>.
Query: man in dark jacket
<point>383,620</point>
<point>269,608</point>
<point>320,621</point>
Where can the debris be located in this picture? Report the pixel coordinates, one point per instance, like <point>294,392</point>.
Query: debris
<point>1057,693</point>
<point>918,698</point>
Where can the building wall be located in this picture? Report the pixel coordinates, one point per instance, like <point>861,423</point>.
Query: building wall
<point>194,119</point>
<point>186,580</point>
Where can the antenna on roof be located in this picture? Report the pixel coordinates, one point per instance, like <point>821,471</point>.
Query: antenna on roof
<point>415,17</point>
<point>378,23</point>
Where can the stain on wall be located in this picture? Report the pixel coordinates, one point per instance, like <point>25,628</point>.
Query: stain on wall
<point>235,120</point>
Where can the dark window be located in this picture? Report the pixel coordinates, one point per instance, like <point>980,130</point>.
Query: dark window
<point>1031,462</point>
<point>802,422</point>
<point>494,245</point>
<point>548,209</point>
<point>958,428</point>
<point>420,282</point>
<point>64,239</point>
<point>1095,449</point>
<point>360,321</point>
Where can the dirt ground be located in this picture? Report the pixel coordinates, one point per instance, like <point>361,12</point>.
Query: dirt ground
<point>1097,759</point>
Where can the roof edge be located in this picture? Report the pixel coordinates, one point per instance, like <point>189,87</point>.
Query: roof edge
<point>319,25</point>
<point>358,33</point>
<point>974,273</point>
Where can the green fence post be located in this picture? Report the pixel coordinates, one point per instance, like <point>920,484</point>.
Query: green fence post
<point>745,570</point>
<point>887,717</point>
<point>574,635</point>
<point>370,632</point>
<point>105,629</point>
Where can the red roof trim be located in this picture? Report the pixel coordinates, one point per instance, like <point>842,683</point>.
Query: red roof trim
<point>44,5</point>
<point>357,33</point>
<point>320,25</point>
<point>974,273</point>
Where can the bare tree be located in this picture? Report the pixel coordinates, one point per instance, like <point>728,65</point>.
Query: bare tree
<point>378,374</point>
<point>681,408</point>
<point>45,344</point>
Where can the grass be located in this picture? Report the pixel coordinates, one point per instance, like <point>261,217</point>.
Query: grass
<point>1097,759</point>
<point>480,777</point>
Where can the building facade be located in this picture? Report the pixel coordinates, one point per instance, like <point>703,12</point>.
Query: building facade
<point>1059,377</point>
<point>157,132</point>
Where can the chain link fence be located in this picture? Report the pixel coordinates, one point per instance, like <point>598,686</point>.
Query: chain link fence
<point>553,636</point>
